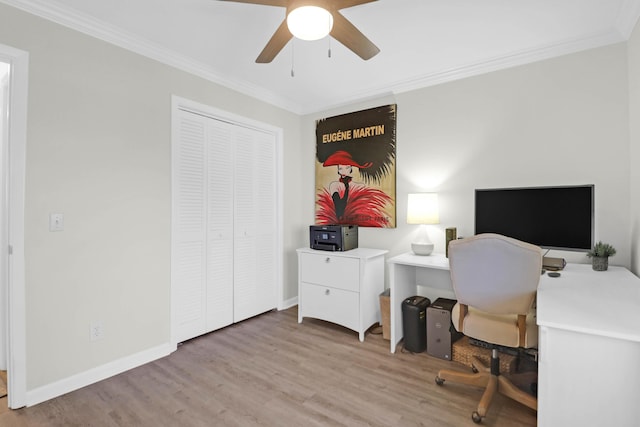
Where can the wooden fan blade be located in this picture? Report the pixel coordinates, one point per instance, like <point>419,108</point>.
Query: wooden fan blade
<point>282,3</point>
<point>347,34</point>
<point>343,4</point>
<point>279,39</point>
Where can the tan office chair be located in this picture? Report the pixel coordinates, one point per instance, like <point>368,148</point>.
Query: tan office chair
<point>495,280</point>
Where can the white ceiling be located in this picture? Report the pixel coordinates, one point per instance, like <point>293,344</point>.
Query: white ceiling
<point>422,42</point>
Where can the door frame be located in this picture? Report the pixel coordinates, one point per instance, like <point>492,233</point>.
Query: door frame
<point>13,180</point>
<point>179,103</point>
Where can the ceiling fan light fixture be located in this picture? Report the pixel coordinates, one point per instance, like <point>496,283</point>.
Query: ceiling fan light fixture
<point>310,22</point>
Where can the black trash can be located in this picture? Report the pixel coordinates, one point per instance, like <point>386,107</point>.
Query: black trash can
<point>414,323</point>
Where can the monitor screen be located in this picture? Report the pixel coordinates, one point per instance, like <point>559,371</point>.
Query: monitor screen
<point>549,217</point>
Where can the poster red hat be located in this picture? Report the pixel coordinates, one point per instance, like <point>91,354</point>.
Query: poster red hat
<point>344,158</point>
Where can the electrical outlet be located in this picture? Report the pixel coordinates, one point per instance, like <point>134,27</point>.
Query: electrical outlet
<point>96,331</point>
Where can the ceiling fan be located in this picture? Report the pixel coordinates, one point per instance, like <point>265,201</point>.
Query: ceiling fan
<point>334,24</point>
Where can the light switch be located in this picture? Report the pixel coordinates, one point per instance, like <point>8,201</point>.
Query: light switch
<point>56,222</point>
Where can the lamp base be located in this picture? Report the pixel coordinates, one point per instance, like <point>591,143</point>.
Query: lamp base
<point>422,248</point>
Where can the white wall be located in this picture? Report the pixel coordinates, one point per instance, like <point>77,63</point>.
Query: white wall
<point>634,158</point>
<point>98,151</point>
<point>557,122</point>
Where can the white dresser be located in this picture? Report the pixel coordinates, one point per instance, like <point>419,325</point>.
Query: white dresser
<point>341,287</point>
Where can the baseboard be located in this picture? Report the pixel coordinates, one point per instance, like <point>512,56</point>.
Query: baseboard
<point>94,375</point>
<point>289,303</point>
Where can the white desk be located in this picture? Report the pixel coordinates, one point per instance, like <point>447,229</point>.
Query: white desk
<point>589,342</point>
<point>411,275</point>
<point>589,339</point>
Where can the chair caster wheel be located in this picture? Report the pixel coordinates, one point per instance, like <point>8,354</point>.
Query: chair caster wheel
<point>475,416</point>
<point>439,380</point>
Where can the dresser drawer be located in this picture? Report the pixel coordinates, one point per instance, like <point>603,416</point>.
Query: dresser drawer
<point>334,305</point>
<point>330,270</point>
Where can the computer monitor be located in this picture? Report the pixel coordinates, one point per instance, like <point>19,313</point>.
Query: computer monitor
<point>550,217</point>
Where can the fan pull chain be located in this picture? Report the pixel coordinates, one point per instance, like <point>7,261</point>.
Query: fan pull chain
<point>329,53</point>
<point>293,43</point>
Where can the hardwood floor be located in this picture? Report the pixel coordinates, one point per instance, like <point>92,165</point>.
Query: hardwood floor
<point>3,392</point>
<point>272,371</point>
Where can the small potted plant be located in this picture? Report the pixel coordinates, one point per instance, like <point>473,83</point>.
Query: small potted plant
<point>600,256</point>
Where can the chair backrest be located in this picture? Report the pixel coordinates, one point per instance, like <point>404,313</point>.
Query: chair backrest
<point>495,273</point>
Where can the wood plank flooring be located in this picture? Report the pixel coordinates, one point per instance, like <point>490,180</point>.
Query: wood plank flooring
<point>272,371</point>
<point>3,383</point>
<point>3,392</point>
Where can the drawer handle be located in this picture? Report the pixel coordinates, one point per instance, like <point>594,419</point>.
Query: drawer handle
<point>327,291</point>
<point>327,260</point>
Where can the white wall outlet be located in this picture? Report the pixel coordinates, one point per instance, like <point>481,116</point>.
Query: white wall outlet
<point>96,330</point>
<point>56,222</point>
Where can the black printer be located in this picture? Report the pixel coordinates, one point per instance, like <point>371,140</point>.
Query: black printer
<point>333,237</point>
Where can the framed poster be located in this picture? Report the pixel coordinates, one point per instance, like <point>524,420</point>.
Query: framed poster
<point>355,168</point>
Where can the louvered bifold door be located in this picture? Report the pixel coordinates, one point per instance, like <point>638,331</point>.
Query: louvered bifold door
<point>255,223</point>
<point>188,246</point>
<point>219,224</point>
<point>223,250</point>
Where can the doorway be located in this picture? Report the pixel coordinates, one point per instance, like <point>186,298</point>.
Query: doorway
<point>4,305</point>
<point>13,129</point>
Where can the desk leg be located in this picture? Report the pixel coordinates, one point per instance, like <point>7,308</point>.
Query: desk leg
<point>402,285</point>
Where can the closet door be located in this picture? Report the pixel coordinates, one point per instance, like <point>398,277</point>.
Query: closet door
<point>224,199</point>
<point>219,284</point>
<point>188,227</point>
<point>255,223</point>
<point>202,258</point>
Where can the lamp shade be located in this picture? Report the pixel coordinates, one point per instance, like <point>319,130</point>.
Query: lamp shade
<point>422,208</point>
<point>309,22</point>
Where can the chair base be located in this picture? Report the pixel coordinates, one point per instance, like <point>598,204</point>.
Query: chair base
<point>492,382</point>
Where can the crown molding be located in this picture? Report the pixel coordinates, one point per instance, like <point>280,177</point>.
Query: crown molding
<point>95,28</point>
<point>508,61</point>
<point>625,23</point>
<point>474,69</point>
<point>628,18</point>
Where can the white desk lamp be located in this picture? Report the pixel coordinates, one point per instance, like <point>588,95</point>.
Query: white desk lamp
<point>422,208</point>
